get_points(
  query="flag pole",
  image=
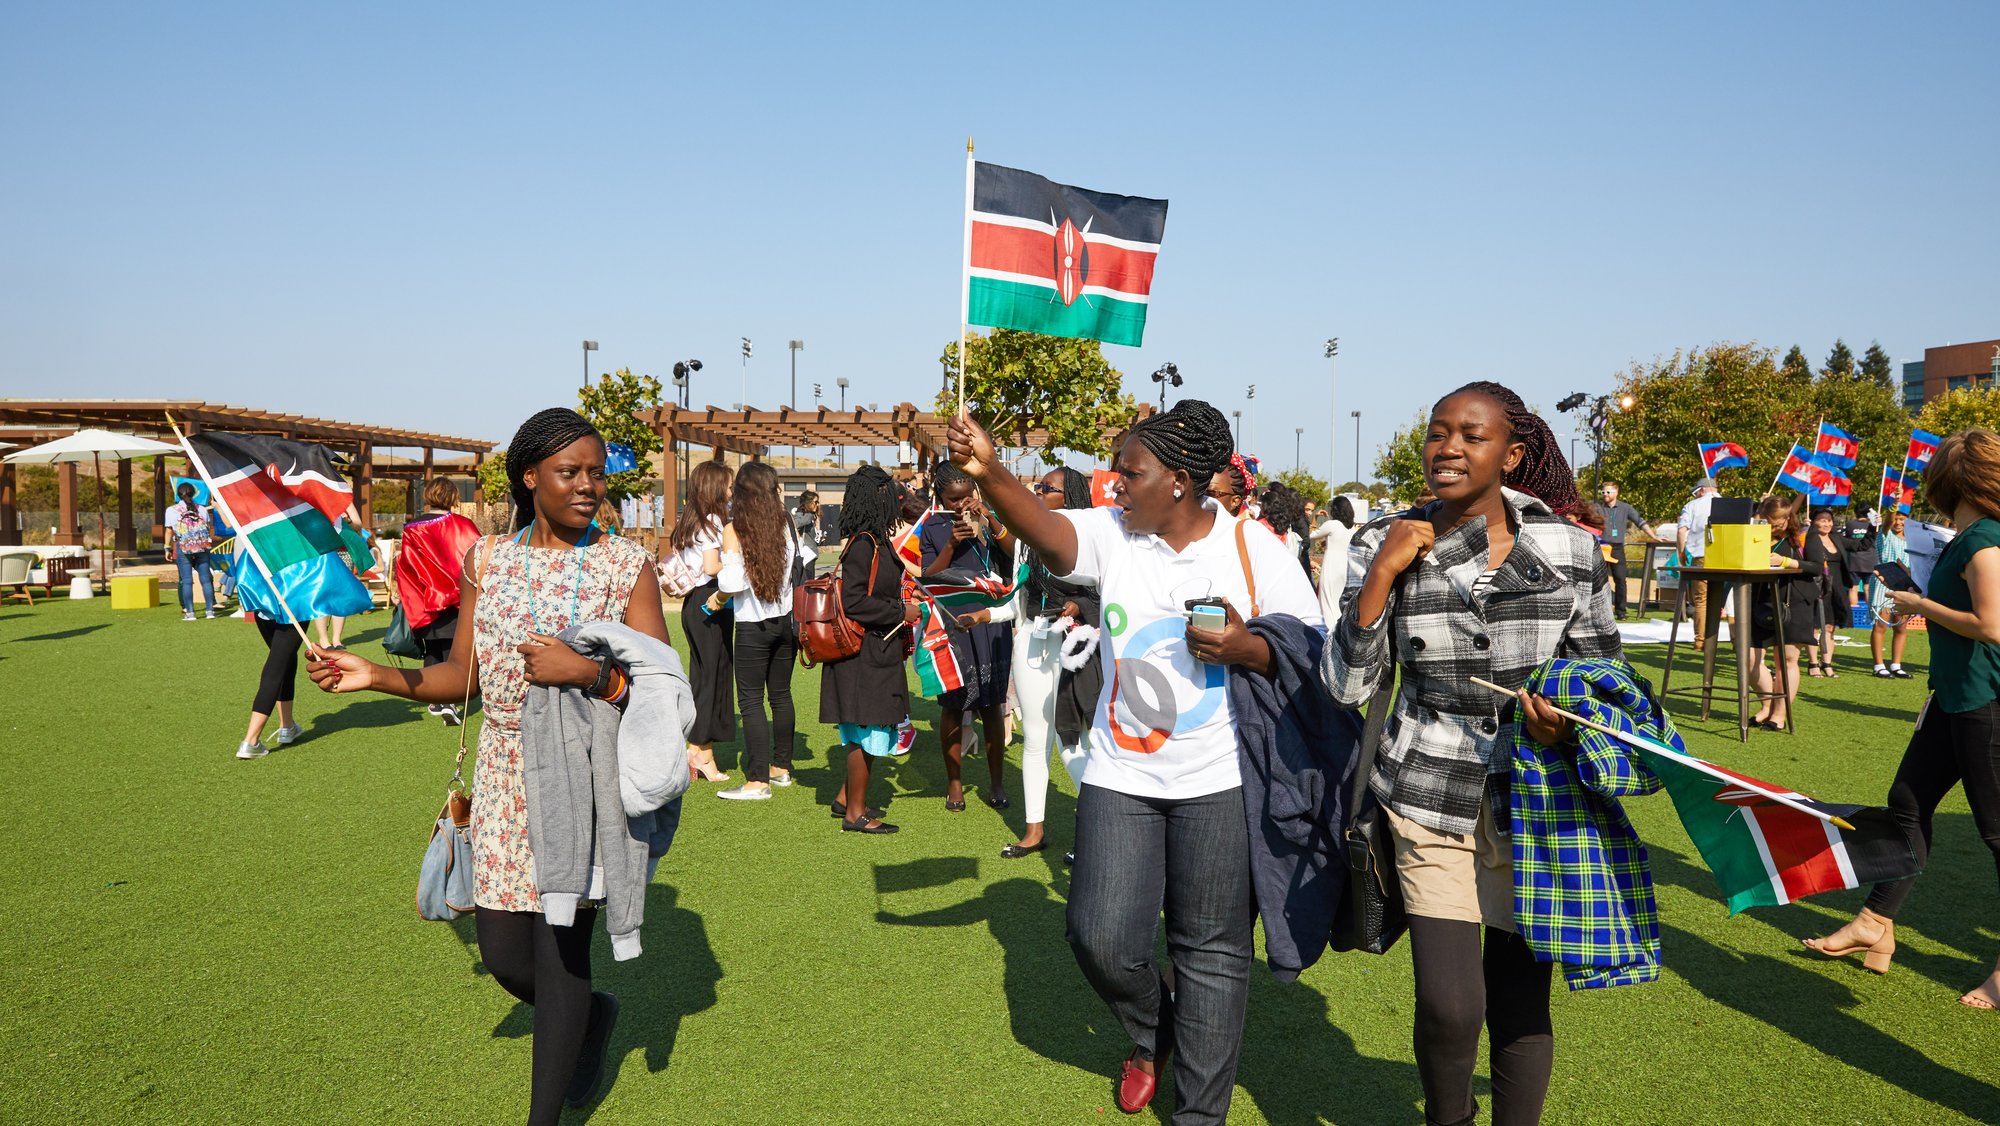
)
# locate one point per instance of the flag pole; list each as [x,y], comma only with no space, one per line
[1645,744]
[1773,490]
[965,283]
[215,494]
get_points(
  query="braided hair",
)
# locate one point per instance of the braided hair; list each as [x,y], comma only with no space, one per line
[1075,487]
[870,504]
[543,434]
[944,475]
[1543,472]
[1193,438]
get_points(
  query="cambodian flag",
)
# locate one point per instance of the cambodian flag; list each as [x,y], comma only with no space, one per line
[1836,447]
[1797,472]
[1898,490]
[1923,444]
[1722,455]
[1830,487]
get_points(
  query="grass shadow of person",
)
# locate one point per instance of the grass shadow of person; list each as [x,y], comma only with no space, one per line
[1816,1011]
[1301,1069]
[382,711]
[64,635]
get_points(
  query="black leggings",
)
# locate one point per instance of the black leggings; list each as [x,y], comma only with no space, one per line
[1458,985]
[549,968]
[764,654]
[281,666]
[1947,748]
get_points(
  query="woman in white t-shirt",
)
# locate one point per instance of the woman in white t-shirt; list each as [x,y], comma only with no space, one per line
[760,557]
[1160,818]
[1337,533]
[697,539]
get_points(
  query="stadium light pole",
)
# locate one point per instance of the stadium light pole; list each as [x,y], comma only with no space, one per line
[840,456]
[1298,439]
[1236,429]
[1332,457]
[589,346]
[1168,374]
[1357,444]
[796,347]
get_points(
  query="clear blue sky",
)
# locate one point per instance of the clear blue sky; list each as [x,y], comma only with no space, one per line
[412,214]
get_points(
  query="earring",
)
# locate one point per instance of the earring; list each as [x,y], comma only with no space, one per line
[1177,494]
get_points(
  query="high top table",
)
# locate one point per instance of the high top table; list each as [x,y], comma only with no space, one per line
[1739,636]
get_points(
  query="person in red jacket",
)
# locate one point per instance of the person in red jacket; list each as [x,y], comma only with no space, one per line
[427,577]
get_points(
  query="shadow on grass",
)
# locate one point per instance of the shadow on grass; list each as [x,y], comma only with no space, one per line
[673,980]
[385,711]
[65,635]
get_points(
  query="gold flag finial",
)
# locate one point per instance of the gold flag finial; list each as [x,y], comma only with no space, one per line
[968,144]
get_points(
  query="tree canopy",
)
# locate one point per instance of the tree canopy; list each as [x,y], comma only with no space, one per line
[1734,392]
[1839,362]
[1399,464]
[1018,381]
[1796,367]
[1876,366]
[1306,484]
[610,405]
[1961,409]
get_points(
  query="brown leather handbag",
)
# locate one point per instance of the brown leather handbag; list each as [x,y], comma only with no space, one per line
[820,619]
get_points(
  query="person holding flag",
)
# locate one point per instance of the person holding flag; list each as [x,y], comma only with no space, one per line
[1957,738]
[1824,558]
[959,537]
[1890,547]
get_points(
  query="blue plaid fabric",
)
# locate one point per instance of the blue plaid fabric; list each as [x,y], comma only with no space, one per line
[1583,888]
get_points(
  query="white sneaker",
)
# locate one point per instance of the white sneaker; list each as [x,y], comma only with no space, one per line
[781,779]
[187,615]
[744,793]
[288,735]
[251,750]
[210,614]
[449,713]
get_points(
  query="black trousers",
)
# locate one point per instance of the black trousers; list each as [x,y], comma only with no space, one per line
[281,665]
[1947,748]
[549,968]
[1617,570]
[765,655]
[711,667]
[1462,983]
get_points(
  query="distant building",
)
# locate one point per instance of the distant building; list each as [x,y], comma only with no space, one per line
[1949,368]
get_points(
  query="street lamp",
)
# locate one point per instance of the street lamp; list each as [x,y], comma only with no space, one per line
[792,400]
[1357,444]
[1251,396]
[1332,468]
[589,346]
[682,383]
[840,455]
[1298,436]
[1236,428]
[1166,374]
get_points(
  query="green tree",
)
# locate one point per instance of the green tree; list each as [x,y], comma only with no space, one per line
[1875,365]
[1399,465]
[1018,381]
[1354,489]
[1796,368]
[1733,392]
[1957,410]
[1306,485]
[611,404]
[1839,362]
[493,477]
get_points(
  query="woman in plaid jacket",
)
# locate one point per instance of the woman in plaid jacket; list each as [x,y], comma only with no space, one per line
[1488,580]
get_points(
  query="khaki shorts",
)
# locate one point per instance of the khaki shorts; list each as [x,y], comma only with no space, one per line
[1467,877]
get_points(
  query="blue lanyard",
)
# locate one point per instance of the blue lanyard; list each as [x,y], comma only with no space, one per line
[528,565]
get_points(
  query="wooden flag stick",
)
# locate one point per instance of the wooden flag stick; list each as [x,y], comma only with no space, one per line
[965,283]
[215,494]
[1647,744]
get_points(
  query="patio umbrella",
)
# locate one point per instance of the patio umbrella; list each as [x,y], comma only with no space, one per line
[92,446]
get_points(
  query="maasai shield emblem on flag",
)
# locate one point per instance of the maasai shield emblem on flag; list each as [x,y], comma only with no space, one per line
[1835,447]
[1923,444]
[283,497]
[1062,261]
[1722,455]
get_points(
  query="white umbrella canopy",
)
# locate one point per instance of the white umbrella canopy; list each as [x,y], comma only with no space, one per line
[92,446]
[86,445]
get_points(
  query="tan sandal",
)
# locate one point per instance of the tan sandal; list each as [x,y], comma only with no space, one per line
[1876,955]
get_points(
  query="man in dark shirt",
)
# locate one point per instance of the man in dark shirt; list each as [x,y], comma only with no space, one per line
[1617,517]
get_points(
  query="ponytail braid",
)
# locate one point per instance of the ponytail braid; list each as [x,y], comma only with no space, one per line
[1543,472]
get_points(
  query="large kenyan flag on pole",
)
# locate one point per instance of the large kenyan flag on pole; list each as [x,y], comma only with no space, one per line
[1062,261]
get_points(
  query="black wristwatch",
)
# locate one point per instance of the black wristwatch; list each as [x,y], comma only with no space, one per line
[603,680]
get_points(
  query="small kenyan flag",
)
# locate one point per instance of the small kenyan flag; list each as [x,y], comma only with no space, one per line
[1062,261]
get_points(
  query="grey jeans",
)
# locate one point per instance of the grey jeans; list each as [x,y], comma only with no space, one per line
[1189,858]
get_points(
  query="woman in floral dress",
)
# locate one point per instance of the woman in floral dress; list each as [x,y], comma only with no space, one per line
[556,570]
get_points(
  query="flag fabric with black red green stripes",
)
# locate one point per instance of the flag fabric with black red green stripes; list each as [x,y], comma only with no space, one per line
[284,498]
[1059,260]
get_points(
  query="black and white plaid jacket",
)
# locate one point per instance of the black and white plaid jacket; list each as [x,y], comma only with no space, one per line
[1551,598]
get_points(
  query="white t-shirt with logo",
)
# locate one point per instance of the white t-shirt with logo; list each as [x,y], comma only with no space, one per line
[1162,726]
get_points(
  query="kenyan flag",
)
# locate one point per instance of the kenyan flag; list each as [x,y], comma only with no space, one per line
[282,496]
[1062,261]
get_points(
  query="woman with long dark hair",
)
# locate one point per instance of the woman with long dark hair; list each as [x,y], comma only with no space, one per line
[706,617]
[1489,580]
[1796,631]
[556,571]
[760,557]
[867,696]
[1056,695]
[1823,557]
[1161,827]
[1957,740]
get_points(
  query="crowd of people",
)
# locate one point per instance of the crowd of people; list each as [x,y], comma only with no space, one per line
[1178,651]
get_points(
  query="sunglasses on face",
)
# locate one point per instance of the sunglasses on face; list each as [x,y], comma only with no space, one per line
[1042,490]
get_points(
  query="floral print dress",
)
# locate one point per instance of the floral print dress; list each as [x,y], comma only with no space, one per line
[543,590]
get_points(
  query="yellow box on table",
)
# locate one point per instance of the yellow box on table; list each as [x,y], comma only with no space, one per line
[1738,547]
[135,592]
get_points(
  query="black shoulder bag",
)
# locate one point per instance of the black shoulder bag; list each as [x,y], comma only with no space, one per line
[1371,916]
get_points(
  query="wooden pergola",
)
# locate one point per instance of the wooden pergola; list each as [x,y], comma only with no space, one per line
[25,422]
[753,433]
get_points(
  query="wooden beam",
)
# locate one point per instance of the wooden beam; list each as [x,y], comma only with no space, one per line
[127,538]
[10,536]
[67,533]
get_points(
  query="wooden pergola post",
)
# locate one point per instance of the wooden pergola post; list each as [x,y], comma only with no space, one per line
[159,501]
[127,536]
[10,536]
[478,488]
[364,498]
[670,472]
[67,533]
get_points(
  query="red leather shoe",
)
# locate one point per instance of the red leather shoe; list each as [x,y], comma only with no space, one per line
[1135,1087]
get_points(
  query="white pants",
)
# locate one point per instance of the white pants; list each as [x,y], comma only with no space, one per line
[1037,671]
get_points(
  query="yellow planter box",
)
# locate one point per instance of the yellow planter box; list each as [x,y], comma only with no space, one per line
[1739,547]
[135,592]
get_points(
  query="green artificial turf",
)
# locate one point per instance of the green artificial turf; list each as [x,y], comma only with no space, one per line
[189,938]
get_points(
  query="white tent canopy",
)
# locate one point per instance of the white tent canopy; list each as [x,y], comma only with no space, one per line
[90,445]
